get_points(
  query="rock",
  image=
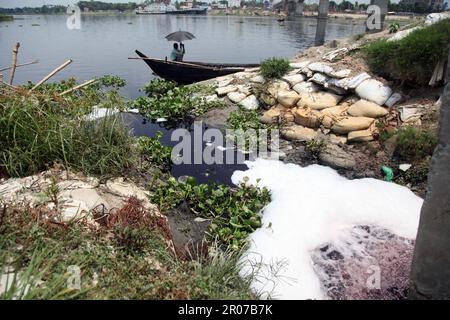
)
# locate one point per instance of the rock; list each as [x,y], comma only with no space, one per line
[298,133]
[405,166]
[318,100]
[374,90]
[258,79]
[347,124]
[236,97]
[250,103]
[267,99]
[277,86]
[287,98]
[364,108]
[224,83]
[299,65]
[306,87]
[307,117]
[294,79]
[390,145]
[433,18]
[320,67]
[222,91]
[360,136]
[393,99]
[334,156]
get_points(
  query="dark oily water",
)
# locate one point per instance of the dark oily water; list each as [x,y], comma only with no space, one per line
[203,173]
[105,41]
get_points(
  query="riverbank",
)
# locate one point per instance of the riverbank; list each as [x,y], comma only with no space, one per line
[6,18]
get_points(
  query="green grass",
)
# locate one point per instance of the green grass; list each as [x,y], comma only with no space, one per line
[412,58]
[39,255]
[274,68]
[40,130]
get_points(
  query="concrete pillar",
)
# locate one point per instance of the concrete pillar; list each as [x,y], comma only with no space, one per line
[299,8]
[322,22]
[430,271]
[376,23]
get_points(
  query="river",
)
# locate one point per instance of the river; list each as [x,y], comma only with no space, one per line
[104,42]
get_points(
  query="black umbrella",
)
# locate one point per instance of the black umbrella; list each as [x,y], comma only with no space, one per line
[180,36]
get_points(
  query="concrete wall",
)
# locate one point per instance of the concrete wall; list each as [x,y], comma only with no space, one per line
[430,272]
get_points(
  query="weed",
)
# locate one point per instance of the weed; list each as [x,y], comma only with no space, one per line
[412,58]
[314,147]
[414,143]
[274,68]
[154,151]
[234,211]
[165,100]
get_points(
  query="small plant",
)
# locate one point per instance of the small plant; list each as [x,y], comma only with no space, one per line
[234,212]
[394,27]
[244,119]
[154,151]
[158,88]
[274,68]
[384,132]
[414,143]
[314,147]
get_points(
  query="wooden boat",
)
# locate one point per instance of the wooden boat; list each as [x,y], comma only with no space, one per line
[188,72]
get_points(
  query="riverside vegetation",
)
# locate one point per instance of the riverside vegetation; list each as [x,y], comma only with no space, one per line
[126,254]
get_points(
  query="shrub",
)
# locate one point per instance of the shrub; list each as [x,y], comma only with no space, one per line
[412,58]
[37,131]
[414,143]
[394,27]
[274,68]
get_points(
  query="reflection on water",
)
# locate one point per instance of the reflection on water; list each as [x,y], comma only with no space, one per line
[203,173]
[105,41]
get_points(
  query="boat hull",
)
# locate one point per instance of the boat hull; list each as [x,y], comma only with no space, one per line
[190,72]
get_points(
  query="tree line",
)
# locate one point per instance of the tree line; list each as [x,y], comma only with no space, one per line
[84,5]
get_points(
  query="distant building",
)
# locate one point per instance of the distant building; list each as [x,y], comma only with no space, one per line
[432,4]
[234,3]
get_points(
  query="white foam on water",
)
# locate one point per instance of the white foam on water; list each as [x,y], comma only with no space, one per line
[312,206]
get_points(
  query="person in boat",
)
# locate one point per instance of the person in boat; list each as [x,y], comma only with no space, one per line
[177,53]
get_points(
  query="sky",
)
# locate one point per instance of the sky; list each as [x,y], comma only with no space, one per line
[39,3]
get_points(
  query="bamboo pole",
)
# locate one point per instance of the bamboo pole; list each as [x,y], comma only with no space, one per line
[79,86]
[51,74]
[13,70]
[20,65]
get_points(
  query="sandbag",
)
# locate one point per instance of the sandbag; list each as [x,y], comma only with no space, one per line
[364,108]
[347,124]
[374,90]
